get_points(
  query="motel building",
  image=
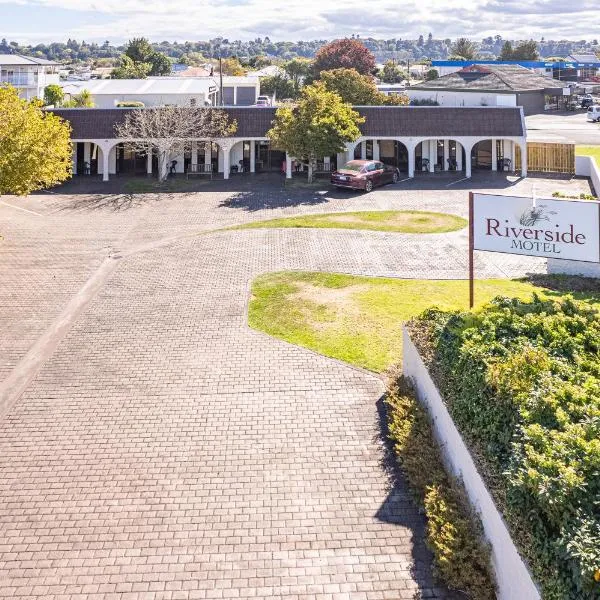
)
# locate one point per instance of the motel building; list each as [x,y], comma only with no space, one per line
[419,140]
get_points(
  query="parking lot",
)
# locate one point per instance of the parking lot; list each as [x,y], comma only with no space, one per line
[561,126]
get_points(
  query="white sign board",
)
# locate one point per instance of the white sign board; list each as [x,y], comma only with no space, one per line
[551,228]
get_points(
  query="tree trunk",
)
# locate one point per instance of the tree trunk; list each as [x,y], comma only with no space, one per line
[310,171]
[163,172]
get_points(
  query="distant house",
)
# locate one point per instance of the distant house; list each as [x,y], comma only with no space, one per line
[494,85]
[28,74]
[160,91]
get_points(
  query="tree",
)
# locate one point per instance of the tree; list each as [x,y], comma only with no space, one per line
[526,51]
[465,48]
[392,73]
[53,95]
[507,51]
[159,64]
[128,69]
[432,74]
[356,89]
[278,86]
[82,100]
[344,54]
[232,66]
[35,145]
[320,124]
[139,50]
[171,129]
[298,69]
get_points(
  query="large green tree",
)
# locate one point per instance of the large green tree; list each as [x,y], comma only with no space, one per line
[523,51]
[344,54]
[357,89]
[278,86]
[465,48]
[141,60]
[53,95]
[392,73]
[320,124]
[128,69]
[297,70]
[35,145]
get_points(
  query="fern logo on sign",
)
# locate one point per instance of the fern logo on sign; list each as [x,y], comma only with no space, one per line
[549,228]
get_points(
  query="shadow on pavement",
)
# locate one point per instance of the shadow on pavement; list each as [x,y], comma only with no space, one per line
[400,509]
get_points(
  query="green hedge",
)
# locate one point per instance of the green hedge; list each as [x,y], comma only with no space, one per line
[522,382]
[454,533]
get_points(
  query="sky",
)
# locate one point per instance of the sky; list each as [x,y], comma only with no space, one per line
[36,21]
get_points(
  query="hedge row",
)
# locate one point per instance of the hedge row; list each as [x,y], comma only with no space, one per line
[522,382]
[454,533]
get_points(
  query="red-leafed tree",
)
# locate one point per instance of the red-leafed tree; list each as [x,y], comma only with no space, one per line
[345,54]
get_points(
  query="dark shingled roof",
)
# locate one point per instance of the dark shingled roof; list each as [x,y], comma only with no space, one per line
[381,121]
[497,78]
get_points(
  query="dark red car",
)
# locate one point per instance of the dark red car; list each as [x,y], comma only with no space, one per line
[364,175]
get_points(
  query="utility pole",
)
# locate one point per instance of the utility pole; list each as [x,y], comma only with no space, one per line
[221,78]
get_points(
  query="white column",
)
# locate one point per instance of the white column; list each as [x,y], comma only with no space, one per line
[375,149]
[149,162]
[87,152]
[105,154]
[459,153]
[226,161]
[432,155]
[512,155]
[468,148]
[252,156]
[194,154]
[411,160]
[446,154]
[523,159]
[208,153]
[74,158]
[494,156]
[288,166]
[363,150]
[235,95]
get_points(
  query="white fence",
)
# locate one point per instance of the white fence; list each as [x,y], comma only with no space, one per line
[514,580]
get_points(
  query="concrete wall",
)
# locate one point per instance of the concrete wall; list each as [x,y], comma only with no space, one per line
[450,98]
[585,166]
[514,580]
[533,103]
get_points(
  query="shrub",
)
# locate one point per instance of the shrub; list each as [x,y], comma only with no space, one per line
[130,104]
[454,532]
[424,102]
[522,382]
[582,196]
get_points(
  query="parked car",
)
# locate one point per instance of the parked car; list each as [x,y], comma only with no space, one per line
[587,101]
[364,175]
[263,101]
[593,113]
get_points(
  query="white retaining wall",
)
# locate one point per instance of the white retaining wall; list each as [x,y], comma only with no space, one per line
[585,166]
[514,580]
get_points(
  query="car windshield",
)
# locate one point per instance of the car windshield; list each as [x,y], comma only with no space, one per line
[353,166]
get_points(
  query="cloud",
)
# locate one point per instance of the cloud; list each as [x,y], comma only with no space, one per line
[117,20]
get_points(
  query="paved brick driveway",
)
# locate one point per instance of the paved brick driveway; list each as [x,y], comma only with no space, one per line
[153,446]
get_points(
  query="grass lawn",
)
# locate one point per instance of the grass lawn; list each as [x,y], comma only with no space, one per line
[359,319]
[402,221]
[589,151]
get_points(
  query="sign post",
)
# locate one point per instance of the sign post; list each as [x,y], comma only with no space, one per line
[544,227]
[471,254]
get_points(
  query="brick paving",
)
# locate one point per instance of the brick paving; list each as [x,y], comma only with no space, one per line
[164,449]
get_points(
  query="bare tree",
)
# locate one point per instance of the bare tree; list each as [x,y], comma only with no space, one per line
[171,130]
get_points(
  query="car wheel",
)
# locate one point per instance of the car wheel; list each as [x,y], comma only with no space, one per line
[395,177]
[368,186]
